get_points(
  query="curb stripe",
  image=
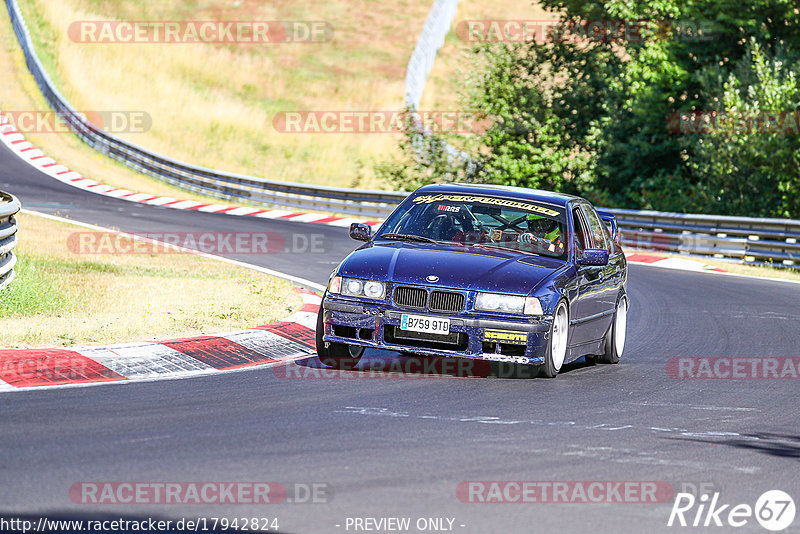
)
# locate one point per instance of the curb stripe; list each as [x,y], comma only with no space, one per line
[50,367]
[313,308]
[268,344]
[274,344]
[681,264]
[17,143]
[645,258]
[144,360]
[217,352]
[328,220]
[293,332]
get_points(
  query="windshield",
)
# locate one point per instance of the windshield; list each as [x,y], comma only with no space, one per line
[481,221]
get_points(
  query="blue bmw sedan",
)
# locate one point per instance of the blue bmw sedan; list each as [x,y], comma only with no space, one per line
[474,271]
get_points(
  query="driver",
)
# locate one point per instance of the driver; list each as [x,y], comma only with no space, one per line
[543,228]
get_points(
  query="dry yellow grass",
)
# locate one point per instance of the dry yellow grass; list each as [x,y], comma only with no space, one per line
[214,104]
[19,92]
[60,298]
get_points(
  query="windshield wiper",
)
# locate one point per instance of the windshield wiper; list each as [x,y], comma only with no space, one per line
[409,237]
[542,254]
[491,245]
[507,249]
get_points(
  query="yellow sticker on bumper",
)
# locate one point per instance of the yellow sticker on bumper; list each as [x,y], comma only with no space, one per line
[505,336]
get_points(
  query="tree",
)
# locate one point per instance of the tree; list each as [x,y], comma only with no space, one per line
[596,116]
[747,159]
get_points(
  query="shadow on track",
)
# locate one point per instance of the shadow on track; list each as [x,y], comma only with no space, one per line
[778,445]
[391,365]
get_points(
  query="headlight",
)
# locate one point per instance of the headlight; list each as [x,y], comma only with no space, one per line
[374,290]
[497,302]
[353,287]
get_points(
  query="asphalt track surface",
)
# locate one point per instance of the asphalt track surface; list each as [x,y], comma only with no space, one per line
[399,447]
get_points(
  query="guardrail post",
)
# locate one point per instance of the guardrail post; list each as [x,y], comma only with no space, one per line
[9,206]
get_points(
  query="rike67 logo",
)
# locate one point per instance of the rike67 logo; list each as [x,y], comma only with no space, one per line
[774,510]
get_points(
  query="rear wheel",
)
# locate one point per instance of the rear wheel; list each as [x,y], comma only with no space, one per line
[336,355]
[557,346]
[615,339]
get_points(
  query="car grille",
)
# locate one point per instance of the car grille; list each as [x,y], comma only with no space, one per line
[438,301]
[411,297]
[446,301]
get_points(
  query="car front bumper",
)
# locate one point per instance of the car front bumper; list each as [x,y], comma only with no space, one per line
[377,325]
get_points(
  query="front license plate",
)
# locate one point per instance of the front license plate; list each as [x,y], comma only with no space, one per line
[429,325]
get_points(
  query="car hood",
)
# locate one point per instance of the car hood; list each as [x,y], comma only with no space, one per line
[471,268]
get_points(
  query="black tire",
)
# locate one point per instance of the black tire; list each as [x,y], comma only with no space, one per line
[336,355]
[552,361]
[615,338]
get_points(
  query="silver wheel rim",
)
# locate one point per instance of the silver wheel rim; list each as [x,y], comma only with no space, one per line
[620,326]
[558,346]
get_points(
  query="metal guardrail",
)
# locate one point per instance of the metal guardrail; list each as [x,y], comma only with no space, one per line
[220,184]
[9,206]
[752,240]
[772,241]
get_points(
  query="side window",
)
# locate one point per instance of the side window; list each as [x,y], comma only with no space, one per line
[597,229]
[581,238]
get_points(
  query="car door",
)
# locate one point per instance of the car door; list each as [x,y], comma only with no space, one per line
[604,278]
[589,280]
[614,273]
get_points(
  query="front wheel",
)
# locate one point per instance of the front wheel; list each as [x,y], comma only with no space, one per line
[557,346]
[336,355]
[615,340]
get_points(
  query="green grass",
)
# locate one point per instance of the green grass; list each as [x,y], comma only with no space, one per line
[35,289]
[60,298]
[38,285]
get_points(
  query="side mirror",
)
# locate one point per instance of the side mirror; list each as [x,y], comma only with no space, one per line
[594,256]
[360,231]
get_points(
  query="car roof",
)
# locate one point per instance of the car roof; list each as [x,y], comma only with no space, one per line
[506,191]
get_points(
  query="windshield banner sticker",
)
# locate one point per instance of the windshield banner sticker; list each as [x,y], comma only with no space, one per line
[513,204]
